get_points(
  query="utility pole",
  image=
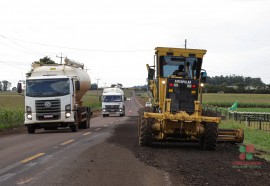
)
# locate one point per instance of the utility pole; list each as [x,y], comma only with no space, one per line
[185,43]
[97,85]
[61,58]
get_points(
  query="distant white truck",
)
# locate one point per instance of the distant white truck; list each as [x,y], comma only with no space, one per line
[113,101]
[53,97]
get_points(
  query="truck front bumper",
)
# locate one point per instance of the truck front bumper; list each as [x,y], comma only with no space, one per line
[47,119]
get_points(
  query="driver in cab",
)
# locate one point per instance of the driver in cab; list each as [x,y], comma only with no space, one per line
[180,72]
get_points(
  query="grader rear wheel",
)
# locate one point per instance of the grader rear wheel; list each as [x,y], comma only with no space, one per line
[209,140]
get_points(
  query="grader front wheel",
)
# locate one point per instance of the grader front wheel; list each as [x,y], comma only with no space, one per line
[145,134]
[209,140]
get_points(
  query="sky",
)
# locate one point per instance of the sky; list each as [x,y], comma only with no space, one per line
[116,39]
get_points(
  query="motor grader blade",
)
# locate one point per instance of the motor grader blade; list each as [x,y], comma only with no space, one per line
[231,135]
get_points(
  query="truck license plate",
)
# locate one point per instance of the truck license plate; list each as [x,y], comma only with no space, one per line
[48,116]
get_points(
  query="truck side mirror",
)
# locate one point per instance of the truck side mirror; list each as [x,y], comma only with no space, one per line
[19,88]
[203,76]
[77,85]
[151,73]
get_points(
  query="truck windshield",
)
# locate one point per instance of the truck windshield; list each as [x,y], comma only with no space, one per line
[47,87]
[170,65]
[112,98]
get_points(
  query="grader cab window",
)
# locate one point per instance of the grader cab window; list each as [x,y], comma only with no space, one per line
[171,64]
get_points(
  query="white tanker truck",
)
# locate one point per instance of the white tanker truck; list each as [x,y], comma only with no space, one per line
[113,101]
[53,97]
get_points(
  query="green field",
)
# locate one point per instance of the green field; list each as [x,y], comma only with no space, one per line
[11,110]
[243,100]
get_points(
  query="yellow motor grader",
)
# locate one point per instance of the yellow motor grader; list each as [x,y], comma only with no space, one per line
[175,84]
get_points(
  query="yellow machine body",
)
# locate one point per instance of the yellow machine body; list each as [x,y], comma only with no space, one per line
[176,94]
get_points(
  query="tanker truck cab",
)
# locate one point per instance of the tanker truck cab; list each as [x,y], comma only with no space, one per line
[52,100]
[49,98]
[113,102]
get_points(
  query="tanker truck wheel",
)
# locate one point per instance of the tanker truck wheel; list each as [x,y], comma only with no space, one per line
[31,129]
[74,128]
[209,140]
[145,138]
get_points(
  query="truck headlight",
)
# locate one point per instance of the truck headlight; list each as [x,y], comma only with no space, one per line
[104,110]
[68,115]
[120,110]
[29,112]
[68,111]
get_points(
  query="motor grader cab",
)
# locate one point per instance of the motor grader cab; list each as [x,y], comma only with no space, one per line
[175,87]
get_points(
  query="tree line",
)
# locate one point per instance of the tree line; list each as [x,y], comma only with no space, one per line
[5,85]
[236,84]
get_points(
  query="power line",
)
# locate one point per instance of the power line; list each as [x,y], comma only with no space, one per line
[8,63]
[23,49]
[72,48]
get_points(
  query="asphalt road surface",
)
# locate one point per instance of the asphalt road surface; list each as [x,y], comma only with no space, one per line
[108,154]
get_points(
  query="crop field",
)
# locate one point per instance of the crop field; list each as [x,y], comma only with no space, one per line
[11,110]
[243,100]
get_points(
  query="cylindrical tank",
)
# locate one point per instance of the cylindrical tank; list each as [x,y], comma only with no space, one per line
[65,70]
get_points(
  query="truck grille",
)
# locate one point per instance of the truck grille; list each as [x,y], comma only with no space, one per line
[112,106]
[48,109]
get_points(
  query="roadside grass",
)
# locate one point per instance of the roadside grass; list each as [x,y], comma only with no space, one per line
[92,99]
[260,139]
[11,117]
[11,110]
